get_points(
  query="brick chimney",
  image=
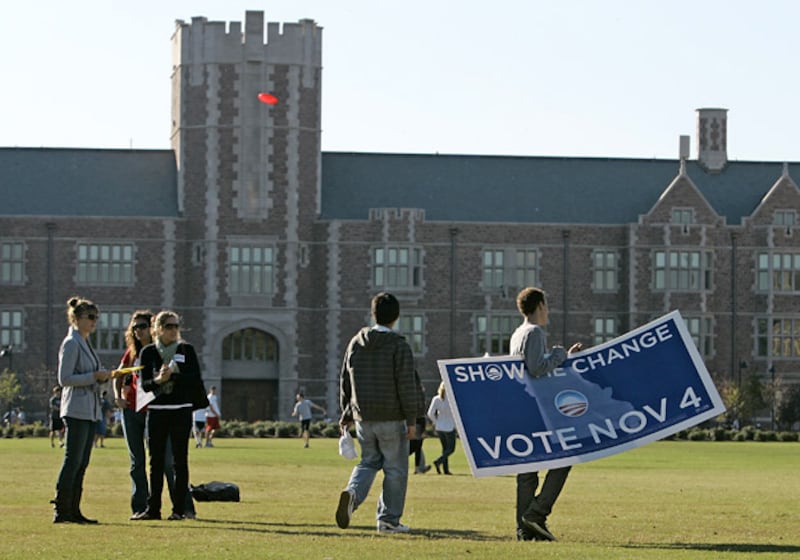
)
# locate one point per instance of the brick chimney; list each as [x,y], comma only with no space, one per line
[712,138]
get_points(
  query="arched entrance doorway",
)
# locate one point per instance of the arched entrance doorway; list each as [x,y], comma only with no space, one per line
[250,373]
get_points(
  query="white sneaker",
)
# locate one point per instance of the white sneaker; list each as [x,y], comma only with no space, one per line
[388,528]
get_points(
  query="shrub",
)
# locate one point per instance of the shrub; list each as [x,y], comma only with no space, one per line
[721,434]
[788,436]
[287,429]
[699,435]
[264,429]
[763,435]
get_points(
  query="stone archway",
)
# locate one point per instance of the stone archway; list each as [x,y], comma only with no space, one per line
[250,373]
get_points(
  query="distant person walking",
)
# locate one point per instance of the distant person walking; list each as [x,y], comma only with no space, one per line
[442,417]
[302,409]
[56,424]
[213,416]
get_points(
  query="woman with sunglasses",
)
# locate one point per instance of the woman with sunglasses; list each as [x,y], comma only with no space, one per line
[137,336]
[134,422]
[81,374]
[171,372]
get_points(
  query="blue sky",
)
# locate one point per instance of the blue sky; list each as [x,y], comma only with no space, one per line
[607,78]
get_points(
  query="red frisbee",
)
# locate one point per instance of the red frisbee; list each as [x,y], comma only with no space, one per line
[267,98]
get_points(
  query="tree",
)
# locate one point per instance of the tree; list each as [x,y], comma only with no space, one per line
[10,390]
[788,409]
[753,399]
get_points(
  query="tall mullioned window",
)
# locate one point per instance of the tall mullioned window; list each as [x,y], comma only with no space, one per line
[251,269]
[397,268]
[493,268]
[11,327]
[105,264]
[526,268]
[493,333]
[109,333]
[604,329]
[778,337]
[605,271]
[412,326]
[12,263]
[686,271]
[701,329]
[779,272]
[510,269]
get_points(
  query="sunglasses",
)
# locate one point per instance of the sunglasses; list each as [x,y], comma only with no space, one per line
[171,326]
[140,326]
[90,316]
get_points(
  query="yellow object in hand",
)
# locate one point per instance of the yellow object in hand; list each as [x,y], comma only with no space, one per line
[125,371]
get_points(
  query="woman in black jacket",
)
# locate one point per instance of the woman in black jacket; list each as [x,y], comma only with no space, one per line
[171,372]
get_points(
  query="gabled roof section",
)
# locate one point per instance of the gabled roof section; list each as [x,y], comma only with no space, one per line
[682,192]
[87,182]
[784,194]
[529,189]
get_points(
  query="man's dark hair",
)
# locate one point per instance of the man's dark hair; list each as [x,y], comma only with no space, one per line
[385,308]
[529,299]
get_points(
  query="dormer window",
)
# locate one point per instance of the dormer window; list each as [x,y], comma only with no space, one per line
[683,217]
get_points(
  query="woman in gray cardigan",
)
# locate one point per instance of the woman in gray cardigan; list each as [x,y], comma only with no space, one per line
[80,374]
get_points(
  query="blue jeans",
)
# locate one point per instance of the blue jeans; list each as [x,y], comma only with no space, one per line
[134,426]
[77,451]
[383,447]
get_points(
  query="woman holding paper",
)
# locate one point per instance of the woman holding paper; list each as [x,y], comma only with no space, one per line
[81,375]
[171,371]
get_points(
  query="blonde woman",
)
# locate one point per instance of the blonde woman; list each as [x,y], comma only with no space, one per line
[171,371]
[81,374]
[442,418]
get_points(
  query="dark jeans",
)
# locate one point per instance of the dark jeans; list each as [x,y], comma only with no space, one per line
[165,427]
[77,451]
[415,447]
[541,505]
[448,440]
[134,426]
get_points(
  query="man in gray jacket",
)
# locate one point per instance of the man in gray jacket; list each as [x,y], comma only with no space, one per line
[377,391]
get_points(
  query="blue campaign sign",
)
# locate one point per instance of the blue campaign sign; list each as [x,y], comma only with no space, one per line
[638,388]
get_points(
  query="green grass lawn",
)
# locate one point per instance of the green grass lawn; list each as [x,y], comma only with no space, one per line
[666,500]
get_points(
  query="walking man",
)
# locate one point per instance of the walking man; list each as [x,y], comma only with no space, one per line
[377,391]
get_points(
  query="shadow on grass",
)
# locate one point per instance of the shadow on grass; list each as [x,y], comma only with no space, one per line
[330,530]
[721,547]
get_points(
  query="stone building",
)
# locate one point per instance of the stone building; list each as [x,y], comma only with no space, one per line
[271,249]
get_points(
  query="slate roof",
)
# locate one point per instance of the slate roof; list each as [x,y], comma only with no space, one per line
[530,189]
[457,188]
[87,182]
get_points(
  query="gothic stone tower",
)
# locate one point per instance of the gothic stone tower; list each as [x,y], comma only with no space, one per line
[248,191]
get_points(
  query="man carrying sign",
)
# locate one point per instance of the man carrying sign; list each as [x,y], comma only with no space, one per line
[529,341]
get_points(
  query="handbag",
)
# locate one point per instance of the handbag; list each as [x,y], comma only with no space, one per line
[216,491]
